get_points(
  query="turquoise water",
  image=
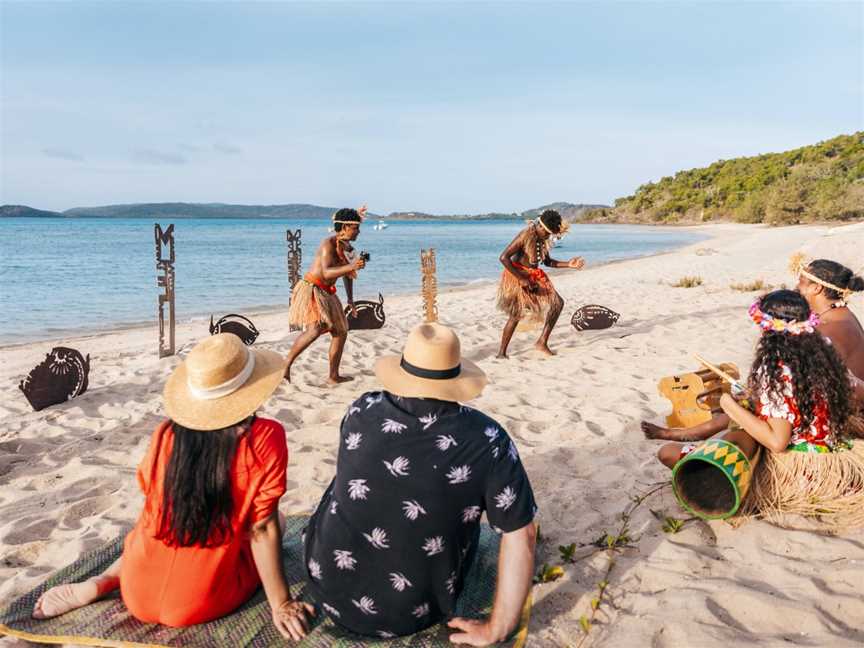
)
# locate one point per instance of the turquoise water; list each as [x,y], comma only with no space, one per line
[63,274]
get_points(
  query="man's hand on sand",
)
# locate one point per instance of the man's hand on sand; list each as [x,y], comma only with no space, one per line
[473,632]
[577,263]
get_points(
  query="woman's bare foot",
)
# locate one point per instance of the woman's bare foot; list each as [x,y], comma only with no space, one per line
[542,347]
[337,380]
[661,433]
[287,375]
[64,598]
[652,431]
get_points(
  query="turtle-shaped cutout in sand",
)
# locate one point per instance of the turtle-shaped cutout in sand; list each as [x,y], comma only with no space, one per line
[60,376]
[239,325]
[593,318]
[370,315]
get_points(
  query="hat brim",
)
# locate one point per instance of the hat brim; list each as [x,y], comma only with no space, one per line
[197,414]
[467,386]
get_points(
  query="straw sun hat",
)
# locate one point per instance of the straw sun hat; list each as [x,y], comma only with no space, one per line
[221,382]
[431,366]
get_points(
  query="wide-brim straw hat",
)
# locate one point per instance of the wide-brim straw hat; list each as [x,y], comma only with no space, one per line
[221,382]
[431,366]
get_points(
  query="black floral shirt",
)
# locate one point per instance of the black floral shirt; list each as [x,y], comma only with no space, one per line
[397,529]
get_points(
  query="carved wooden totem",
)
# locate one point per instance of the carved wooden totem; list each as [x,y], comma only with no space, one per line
[295,258]
[430,285]
[165,280]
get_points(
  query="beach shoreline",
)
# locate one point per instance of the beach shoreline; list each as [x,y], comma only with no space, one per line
[68,472]
[255,311]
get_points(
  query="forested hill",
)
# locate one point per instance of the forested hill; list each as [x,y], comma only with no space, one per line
[821,182]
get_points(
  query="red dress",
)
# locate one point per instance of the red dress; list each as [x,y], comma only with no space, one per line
[180,586]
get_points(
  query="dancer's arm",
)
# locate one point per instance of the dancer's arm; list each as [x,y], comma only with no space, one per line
[506,260]
[577,263]
[774,433]
[349,293]
[329,270]
[289,616]
[515,572]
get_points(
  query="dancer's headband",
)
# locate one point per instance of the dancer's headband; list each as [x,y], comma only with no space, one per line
[798,265]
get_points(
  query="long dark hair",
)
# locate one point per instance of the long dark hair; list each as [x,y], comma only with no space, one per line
[197,500]
[817,371]
[836,274]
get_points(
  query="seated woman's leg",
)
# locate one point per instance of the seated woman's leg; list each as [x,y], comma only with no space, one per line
[64,598]
[701,432]
[670,453]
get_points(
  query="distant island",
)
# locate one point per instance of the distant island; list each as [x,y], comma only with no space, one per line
[817,183]
[219,210]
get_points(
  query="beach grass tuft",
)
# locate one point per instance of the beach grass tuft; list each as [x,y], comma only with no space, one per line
[688,282]
[753,286]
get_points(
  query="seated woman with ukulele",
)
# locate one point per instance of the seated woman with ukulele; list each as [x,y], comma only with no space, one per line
[800,390]
[826,285]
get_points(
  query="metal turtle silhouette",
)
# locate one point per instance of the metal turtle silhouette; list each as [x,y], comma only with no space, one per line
[62,375]
[370,315]
[239,325]
[593,318]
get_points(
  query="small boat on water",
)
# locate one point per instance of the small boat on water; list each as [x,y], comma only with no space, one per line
[380,225]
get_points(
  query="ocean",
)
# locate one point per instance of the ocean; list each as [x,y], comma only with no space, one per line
[71,275]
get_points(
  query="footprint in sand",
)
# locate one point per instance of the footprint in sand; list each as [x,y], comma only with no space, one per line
[594,428]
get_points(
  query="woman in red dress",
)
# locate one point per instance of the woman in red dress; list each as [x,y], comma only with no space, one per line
[209,534]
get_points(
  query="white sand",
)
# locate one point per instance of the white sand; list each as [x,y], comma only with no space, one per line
[67,473]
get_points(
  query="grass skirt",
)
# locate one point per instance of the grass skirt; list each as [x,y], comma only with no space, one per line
[311,306]
[826,486]
[514,300]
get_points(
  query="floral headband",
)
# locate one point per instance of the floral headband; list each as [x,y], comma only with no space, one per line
[768,323]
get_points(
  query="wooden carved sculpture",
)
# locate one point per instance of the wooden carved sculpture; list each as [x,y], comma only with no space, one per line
[165,265]
[60,376]
[695,396]
[295,263]
[593,318]
[430,285]
[370,315]
[239,325]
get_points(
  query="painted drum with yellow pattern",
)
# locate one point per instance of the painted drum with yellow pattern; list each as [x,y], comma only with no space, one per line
[712,481]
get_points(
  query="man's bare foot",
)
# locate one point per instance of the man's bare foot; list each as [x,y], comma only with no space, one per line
[64,598]
[501,356]
[542,347]
[337,380]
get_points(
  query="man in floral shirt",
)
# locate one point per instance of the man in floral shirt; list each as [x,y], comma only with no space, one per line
[397,530]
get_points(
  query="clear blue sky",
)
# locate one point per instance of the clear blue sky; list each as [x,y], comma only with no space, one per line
[439,107]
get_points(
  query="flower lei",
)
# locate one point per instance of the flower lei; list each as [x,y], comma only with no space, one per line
[768,323]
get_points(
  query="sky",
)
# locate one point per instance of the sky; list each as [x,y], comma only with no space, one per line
[437,107]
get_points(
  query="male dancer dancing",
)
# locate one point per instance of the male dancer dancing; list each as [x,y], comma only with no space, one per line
[524,286]
[314,304]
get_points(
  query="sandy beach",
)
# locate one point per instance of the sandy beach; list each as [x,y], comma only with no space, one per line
[68,473]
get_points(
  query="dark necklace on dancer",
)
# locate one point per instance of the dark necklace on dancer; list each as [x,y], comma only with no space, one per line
[837,304]
[538,247]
